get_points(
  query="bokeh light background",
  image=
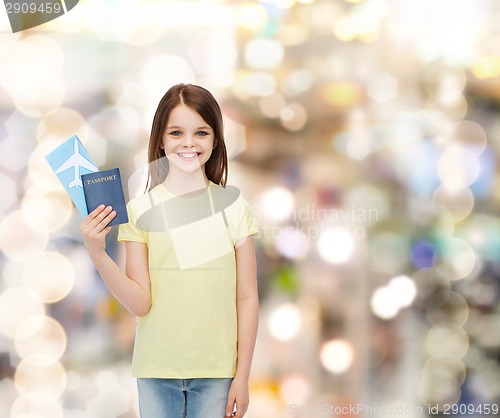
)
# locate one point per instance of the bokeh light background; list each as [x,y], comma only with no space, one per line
[366,135]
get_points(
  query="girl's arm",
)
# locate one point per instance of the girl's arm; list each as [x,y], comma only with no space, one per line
[132,288]
[247,304]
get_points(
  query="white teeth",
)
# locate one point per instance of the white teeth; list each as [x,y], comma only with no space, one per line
[188,155]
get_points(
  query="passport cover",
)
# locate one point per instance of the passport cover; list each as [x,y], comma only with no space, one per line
[69,161]
[105,187]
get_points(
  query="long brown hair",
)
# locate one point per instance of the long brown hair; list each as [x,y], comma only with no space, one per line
[202,102]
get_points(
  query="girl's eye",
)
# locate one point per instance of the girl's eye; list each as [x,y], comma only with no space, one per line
[202,133]
[175,133]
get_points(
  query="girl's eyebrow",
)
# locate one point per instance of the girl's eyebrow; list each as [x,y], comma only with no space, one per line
[180,127]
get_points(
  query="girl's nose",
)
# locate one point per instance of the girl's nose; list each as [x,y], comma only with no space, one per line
[188,141]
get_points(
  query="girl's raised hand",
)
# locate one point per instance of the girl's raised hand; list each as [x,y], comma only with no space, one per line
[94,228]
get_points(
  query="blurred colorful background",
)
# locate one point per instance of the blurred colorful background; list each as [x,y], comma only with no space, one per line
[365,134]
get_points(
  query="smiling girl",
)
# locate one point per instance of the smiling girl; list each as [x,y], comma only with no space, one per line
[190,271]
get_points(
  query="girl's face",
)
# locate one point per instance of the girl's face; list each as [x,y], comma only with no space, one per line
[188,140]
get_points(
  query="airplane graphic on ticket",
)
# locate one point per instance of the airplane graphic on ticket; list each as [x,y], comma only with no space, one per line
[69,161]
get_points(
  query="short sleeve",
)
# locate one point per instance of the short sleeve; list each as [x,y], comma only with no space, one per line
[130,231]
[242,220]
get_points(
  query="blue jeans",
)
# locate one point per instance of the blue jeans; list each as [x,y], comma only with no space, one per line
[183,398]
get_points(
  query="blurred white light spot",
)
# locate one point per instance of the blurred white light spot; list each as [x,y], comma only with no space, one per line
[404,289]
[382,87]
[284,322]
[459,202]
[262,54]
[458,167]
[251,16]
[277,204]
[284,4]
[18,240]
[214,56]
[50,276]
[134,23]
[39,101]
[295,389]
[336,245]
[336,356]
[359,138]
[9,196]
[60,124]
[384,303]
[260,84]
[294,34]
[28,405]
[460,256]
[299,81]
[17,71]
[441,379]
[121,124]
[42,377]
[41,335]
[112,399]
[292,243]
[12,150]
[46,211]
[31,52]
[16,305]
[447,341]
[39,170]
[443,82]
[74,380]
[163,71]
[363,26]
[293,117]
[470,135]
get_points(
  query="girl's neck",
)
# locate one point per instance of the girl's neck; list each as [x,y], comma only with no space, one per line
[179,182]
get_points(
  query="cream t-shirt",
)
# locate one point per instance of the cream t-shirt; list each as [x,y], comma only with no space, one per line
[191,329]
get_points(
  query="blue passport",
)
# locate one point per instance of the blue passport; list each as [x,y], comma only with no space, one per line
[105,187]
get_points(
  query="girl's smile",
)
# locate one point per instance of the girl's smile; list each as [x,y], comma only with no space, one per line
[188,155]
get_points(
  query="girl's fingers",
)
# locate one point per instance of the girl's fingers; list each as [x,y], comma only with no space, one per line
[97,211]
[105,231]
[92,215]
[106,219]
[101,216]
[98,219]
